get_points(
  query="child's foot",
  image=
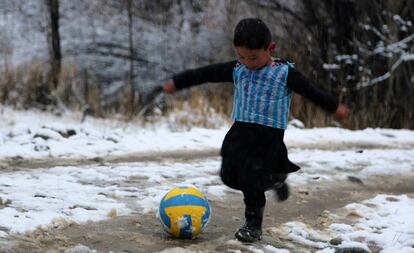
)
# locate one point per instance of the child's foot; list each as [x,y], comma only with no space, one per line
[282,191]
[248,234]
[252,228]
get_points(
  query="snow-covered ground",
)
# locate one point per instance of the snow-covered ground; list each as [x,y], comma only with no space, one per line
[40,197]
[33,134]
[385,222]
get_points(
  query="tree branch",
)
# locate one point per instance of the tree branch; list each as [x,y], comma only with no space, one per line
[274,5]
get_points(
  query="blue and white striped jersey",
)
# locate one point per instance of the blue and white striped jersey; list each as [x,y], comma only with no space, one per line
[262,96]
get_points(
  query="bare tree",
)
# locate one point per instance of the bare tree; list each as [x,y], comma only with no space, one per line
[53,37]
[360,50]
[131,53]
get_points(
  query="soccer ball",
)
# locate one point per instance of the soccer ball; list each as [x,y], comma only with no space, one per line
[184,212]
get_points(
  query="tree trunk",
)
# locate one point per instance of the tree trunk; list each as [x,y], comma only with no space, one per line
[131,61]
[55,56]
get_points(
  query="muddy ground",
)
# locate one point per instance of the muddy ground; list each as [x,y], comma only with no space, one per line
[310,204]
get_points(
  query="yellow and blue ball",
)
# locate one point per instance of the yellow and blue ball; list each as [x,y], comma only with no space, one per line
[184,212]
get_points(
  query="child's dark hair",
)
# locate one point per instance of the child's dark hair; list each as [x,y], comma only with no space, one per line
[252,33]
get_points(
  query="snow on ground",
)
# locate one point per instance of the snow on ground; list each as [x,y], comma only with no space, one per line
[384,223]
[31,198]
[381,224]
[91,192]
[331,165]
[33,134]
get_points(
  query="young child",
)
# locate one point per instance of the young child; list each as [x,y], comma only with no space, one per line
[254,156]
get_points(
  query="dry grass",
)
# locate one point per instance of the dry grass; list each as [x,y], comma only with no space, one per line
[212,105]
[208,106]
[27,86]
[24,86]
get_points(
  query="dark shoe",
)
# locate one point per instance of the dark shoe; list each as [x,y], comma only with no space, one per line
[248,234]
[252,229]
[282,191]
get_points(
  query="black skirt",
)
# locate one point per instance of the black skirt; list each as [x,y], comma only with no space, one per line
[254,157]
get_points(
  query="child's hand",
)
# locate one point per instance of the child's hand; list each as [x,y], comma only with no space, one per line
[169,86]
[342,112]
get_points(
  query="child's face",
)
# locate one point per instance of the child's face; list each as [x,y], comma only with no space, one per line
[255,58]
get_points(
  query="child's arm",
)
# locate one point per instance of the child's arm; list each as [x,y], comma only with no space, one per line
[299,84]
[222,72]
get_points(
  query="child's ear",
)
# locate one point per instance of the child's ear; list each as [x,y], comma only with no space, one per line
[272,47]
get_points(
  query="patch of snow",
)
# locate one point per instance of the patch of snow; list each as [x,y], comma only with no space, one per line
[352,244]
[270,248]
[326,250]
[384,222]
[387,221]
[80,249]
[176,250]
[341,228]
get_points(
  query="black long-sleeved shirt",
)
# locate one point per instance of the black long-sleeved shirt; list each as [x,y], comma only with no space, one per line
[223,72]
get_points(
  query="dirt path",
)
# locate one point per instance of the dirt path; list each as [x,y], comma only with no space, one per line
[19,163]
[143,233]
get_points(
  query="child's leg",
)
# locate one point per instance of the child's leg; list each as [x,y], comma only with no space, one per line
[253,197]
[281,188]
[254,201]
